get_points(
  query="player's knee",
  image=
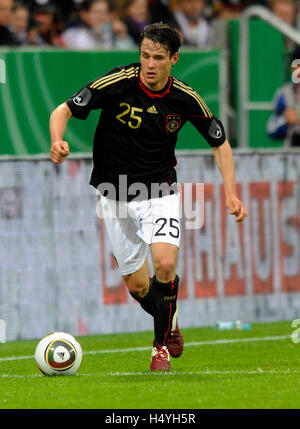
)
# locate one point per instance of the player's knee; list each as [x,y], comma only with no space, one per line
[165,269]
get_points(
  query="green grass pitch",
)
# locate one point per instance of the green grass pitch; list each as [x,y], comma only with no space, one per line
[259,368]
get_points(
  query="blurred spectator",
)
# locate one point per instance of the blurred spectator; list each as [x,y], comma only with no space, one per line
[20,23]
[188,18]
[65,8]
[160,10]
[6,36]
[222,12]
[122,39]
[284,123]
[48,24]
[33,34]
[285,10]
[94,29]
[298,15]
[135,14]
[228,9]
[231,9]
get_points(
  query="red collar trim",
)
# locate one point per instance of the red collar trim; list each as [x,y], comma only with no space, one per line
[153,94]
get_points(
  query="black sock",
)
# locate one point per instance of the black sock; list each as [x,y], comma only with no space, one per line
[146,301]
[164,301]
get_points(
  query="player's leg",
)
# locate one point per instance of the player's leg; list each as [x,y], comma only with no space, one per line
[164,256]
[160,227]
[129,249]
[129,238]
[139,285]
[158,297]
[165,290]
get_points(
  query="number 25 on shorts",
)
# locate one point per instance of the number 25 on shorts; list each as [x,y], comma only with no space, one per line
[174,227]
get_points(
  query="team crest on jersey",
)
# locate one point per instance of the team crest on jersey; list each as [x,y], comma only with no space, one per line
[173,123]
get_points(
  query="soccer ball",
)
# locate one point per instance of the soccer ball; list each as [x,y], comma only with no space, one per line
[58,354]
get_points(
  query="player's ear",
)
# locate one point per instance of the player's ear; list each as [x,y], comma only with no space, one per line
[175,58]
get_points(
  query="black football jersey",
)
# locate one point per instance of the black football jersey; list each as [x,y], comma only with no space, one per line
[137,130]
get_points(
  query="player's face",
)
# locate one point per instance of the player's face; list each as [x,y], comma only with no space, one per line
[156,64]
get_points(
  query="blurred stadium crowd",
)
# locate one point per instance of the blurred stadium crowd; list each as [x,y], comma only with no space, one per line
[106,24]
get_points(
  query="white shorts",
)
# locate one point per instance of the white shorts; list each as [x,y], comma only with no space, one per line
[132,226]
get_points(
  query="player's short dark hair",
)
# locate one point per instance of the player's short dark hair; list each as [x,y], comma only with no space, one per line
[163,34]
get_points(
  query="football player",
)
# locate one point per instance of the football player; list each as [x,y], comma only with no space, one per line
[143,108]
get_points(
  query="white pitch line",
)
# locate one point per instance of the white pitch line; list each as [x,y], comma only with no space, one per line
[259,371]
[193,344]
[206,372]
[141,349]
[8,358]
[21,375]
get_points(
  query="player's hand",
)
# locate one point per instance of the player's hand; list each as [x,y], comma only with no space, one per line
[291,116]
[236,208]
[59,151]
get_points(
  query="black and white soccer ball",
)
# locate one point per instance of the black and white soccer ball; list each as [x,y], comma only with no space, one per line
[58,354]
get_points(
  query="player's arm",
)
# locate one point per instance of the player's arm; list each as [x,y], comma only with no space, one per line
[78,106]
[58,123]
[224,159]
[213,131]
[95,95]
